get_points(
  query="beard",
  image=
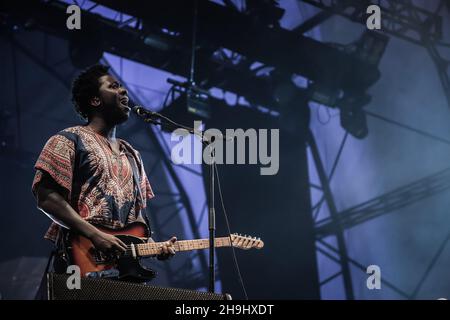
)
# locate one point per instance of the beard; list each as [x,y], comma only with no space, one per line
[115,113]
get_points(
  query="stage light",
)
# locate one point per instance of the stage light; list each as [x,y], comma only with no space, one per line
[353,118]
[370,47]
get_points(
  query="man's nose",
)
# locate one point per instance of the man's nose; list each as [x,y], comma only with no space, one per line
[123,91]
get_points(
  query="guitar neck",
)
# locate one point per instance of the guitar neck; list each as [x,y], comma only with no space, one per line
[154,248]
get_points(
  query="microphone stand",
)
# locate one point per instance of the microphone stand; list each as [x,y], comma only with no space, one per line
[151,117]
[211,221]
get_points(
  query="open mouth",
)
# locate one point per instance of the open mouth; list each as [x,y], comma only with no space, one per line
[124,102]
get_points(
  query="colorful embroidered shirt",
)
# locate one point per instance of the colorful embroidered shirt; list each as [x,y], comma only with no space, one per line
[99,183]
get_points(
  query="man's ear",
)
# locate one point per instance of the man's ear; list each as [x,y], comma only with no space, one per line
[95,101]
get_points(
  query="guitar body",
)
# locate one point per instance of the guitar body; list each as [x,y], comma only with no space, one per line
[93,263]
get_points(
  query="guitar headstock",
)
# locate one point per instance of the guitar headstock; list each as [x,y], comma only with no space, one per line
[246,242]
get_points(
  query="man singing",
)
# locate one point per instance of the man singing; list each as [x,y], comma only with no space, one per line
[85,176]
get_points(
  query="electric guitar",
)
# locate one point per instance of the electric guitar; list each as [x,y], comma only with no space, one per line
[127,266]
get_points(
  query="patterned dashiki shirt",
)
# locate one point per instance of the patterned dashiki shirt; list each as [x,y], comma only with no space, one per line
[99,183]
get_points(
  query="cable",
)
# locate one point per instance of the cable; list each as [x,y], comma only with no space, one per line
[167,96]
[241,281]
[176,125]
[194,40]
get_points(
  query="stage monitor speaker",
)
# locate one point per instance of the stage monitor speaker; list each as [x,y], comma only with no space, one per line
[105,289]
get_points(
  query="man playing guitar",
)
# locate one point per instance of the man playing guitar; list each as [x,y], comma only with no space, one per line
[85,176]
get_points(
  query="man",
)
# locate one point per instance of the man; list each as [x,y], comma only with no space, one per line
[85,175]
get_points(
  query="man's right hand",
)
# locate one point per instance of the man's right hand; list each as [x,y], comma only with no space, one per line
[107,243]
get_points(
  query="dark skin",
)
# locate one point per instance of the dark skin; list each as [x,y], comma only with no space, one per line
[109,109]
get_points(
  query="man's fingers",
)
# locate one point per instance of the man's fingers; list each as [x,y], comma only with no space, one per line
[123,244]
[173,240]
[120,245]
[167,249]
[171,243]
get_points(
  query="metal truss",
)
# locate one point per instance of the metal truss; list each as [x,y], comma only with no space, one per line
[337,222]
[402,19]
[338,229]
[386,203]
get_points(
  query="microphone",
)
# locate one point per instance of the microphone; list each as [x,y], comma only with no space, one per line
[144,113]
[151,115]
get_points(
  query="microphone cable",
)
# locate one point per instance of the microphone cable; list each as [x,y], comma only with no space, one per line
[241,281]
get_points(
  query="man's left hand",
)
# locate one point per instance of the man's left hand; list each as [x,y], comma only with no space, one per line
[167,250]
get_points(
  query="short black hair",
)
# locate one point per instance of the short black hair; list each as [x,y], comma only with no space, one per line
[85,86]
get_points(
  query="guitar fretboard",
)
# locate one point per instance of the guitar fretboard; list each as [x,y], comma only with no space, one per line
[154,248]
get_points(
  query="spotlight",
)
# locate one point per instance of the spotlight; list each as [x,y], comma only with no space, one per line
[371,46]
[353,118]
